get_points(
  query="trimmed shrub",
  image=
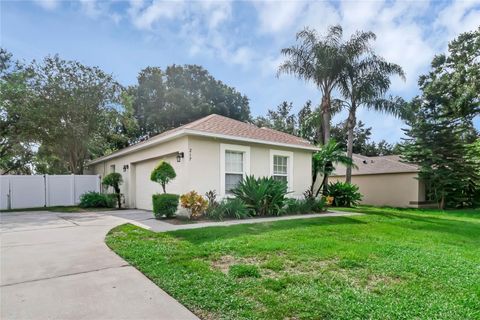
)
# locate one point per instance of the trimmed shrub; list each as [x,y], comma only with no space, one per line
[244,271]
[229,208]
[195,203]
[97,200]
[164,204]
[114,180]
[163,174]
[265,196]
[344,194]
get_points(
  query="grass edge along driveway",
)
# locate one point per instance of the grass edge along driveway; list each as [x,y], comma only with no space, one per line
[388,264]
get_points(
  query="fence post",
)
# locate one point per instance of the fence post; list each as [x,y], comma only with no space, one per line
[45,191]
[72,189]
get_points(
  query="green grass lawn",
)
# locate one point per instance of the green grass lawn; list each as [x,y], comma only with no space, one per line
[387,264]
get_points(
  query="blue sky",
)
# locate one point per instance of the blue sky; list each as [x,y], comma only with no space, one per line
[238,42]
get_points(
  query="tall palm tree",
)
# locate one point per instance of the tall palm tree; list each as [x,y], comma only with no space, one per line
[363,83]
[317,59]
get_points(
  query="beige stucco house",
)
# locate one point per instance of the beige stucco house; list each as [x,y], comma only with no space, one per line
[385,181]
[212,153]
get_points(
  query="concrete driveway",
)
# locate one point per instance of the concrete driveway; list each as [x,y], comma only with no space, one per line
[57,266]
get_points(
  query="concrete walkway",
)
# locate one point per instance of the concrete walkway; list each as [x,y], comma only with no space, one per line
[57,266]
[144,219]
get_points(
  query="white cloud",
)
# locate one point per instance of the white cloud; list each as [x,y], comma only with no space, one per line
[277,16]
[144,16]
[48,4]
[458,17]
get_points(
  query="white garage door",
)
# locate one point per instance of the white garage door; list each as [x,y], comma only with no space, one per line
[144,187]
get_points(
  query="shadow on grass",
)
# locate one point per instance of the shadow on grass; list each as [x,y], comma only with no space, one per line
[229,232]
[442,224]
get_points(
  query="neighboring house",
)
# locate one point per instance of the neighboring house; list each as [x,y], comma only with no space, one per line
[385,181]
[212,153]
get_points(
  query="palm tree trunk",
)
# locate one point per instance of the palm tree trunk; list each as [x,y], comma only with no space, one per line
[351,122]
[326,118]
[326,133]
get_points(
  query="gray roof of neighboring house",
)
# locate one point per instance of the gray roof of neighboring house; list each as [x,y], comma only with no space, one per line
[377,165]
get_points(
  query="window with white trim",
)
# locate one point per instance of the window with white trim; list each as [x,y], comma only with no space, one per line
[280,168]
[234,166]
[234,162]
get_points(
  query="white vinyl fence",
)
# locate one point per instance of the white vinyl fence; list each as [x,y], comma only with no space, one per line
[17,192]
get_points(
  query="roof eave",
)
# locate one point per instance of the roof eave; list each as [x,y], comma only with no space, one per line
[184,132]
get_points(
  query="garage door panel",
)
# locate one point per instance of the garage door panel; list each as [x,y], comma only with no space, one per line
[145,188]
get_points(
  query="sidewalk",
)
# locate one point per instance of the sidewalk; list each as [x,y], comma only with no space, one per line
[145,220]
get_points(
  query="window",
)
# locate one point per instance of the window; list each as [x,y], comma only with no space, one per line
[112,168]
[233,169]
[234,166]
[281,166]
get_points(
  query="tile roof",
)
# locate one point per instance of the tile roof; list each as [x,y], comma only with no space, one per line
[217,124]
[214,125]
[377,165]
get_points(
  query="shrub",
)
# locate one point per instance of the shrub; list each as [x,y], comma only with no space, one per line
[244,271]
[319,204]
[231,208]
[97,200]
[265,196]
[195,203]
[163,174]
[344,194]
[295,206]
[211,198]
[114,180]
[164,205]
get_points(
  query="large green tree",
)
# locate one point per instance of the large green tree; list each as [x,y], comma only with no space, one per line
[364,82]
[71,109]
[440,120]
[167,99]
[280,119]
[16,143]
[362,143]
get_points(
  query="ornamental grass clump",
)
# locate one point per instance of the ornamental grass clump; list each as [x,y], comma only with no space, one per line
[344,194]
[264,196]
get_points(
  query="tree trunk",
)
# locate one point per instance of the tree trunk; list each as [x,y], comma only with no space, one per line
[351,122]
[326,132]
[119,197]
[326,118]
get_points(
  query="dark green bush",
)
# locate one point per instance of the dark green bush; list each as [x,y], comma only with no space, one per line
[164,204]
[344,194]
[265,196]
[229,208]
[302,206]
[163,173]
[244,271]
[97,200]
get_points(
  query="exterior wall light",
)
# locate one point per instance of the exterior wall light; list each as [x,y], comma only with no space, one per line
[180,156]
